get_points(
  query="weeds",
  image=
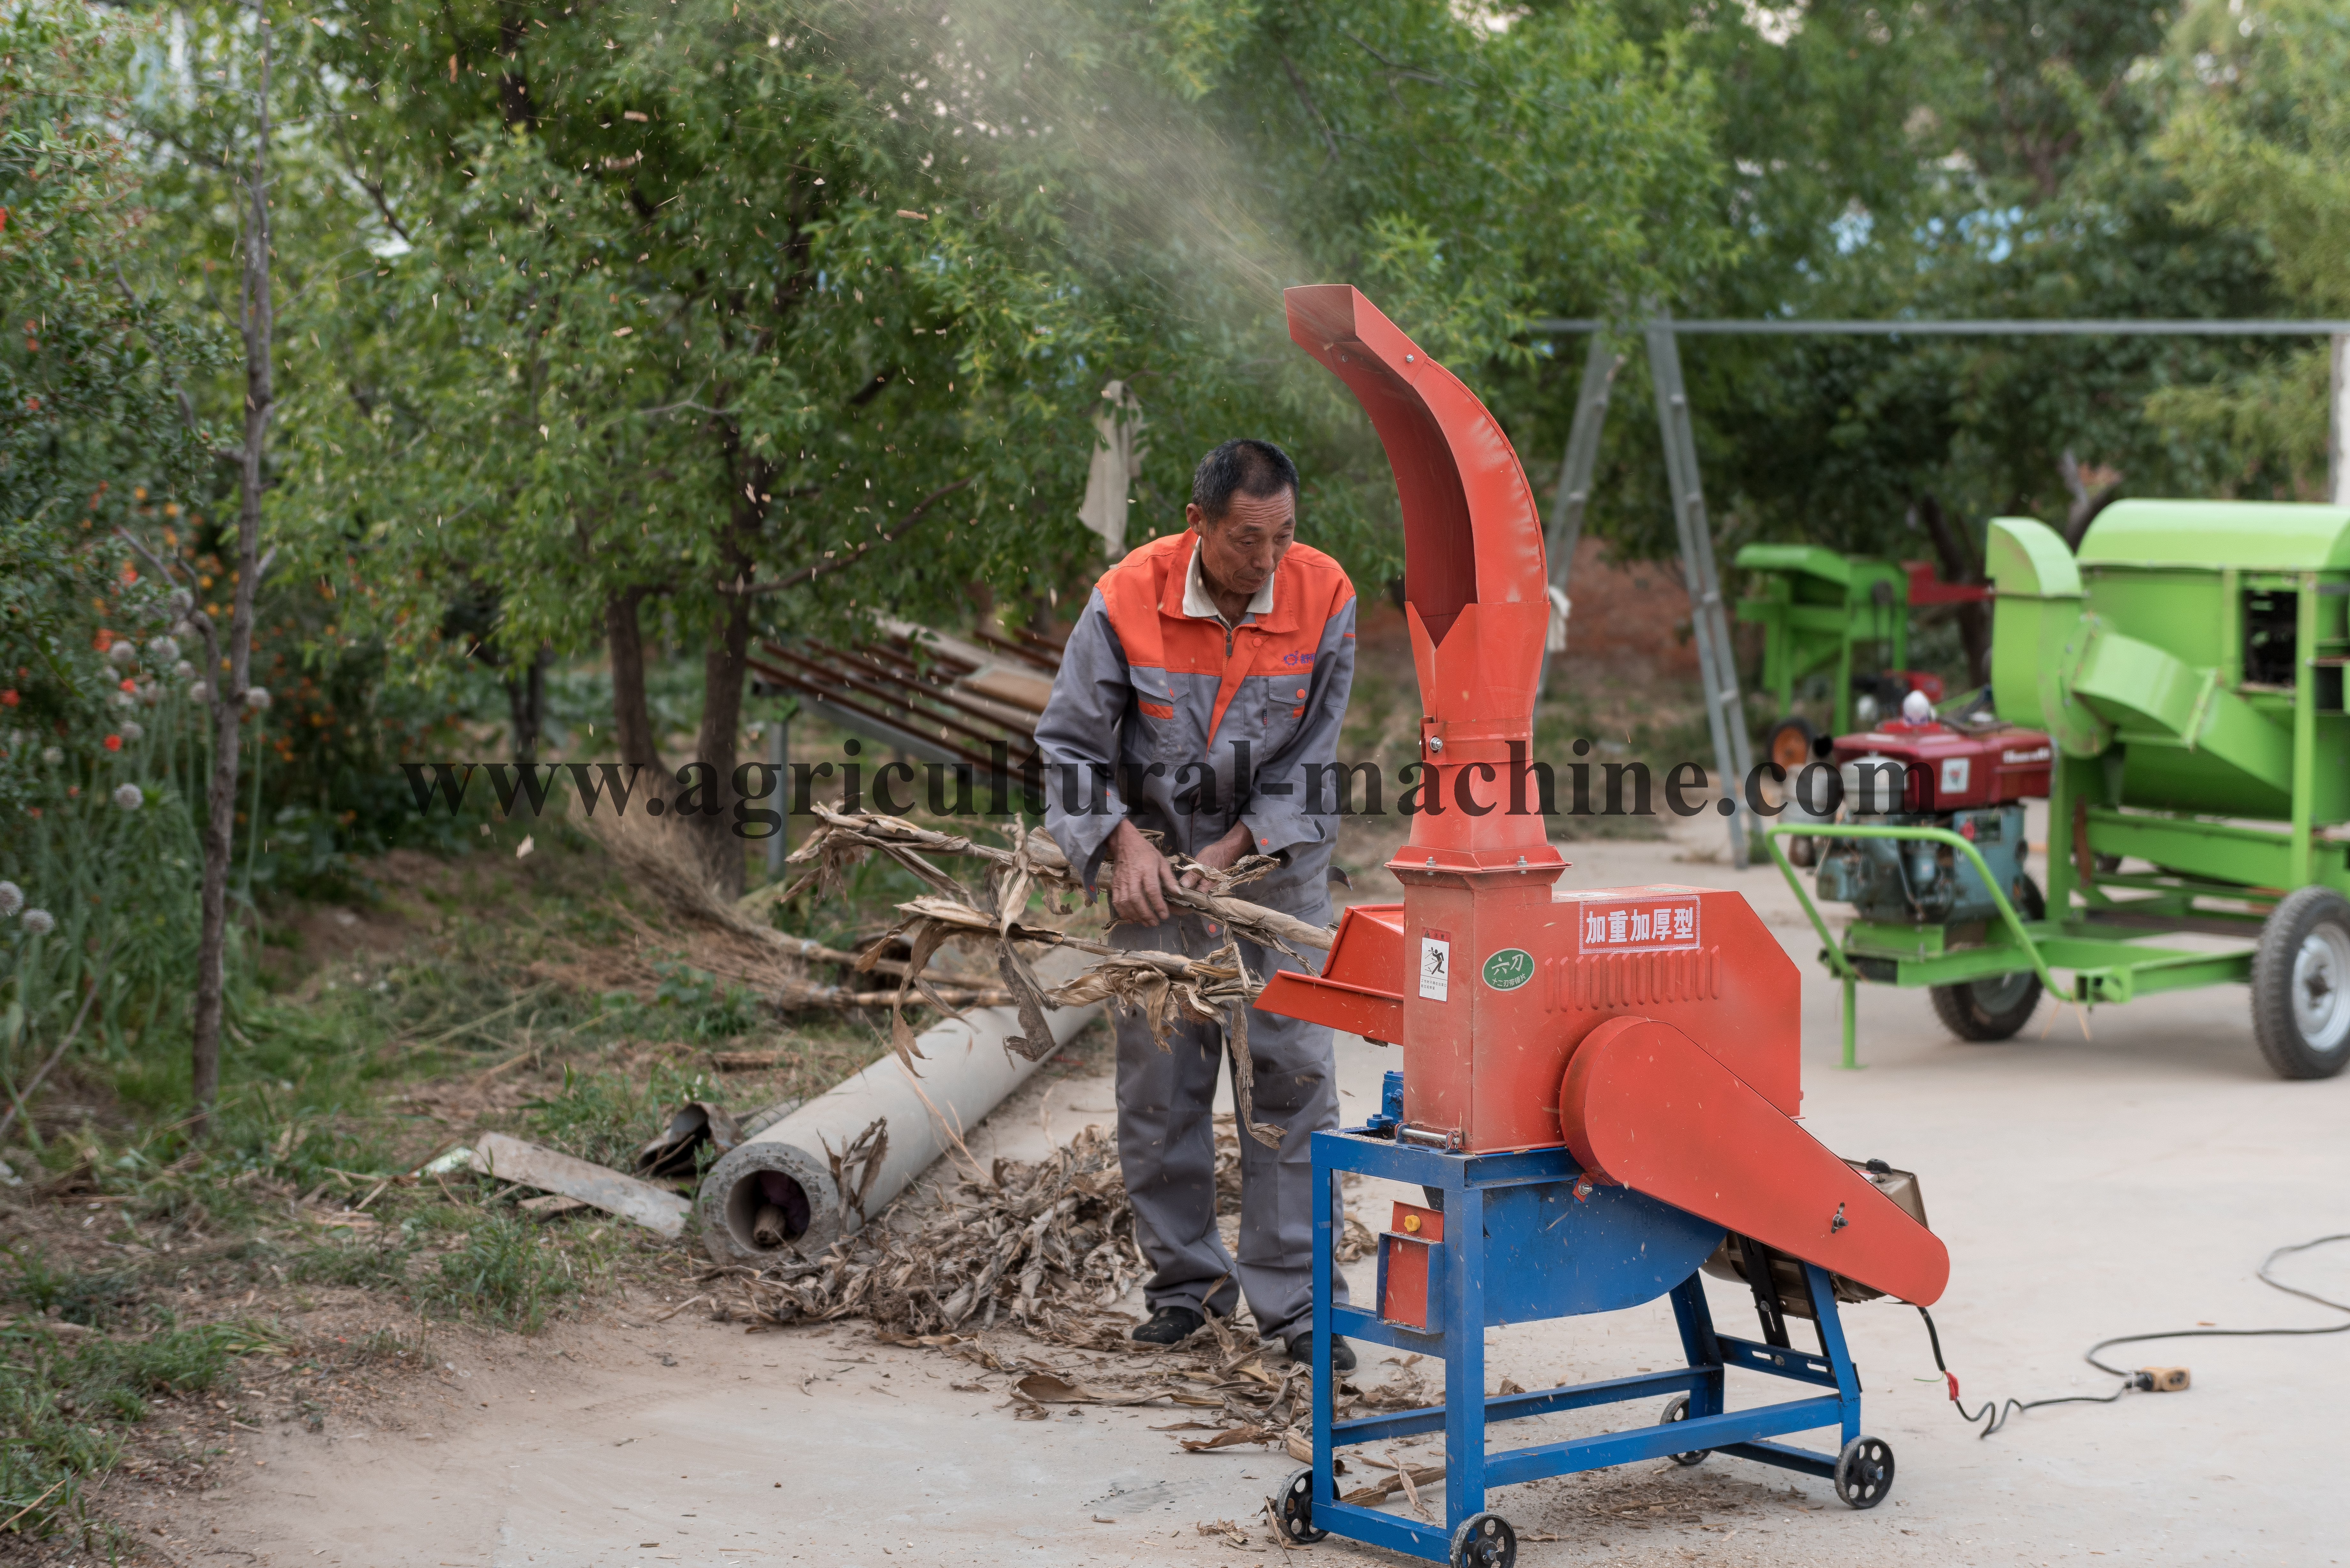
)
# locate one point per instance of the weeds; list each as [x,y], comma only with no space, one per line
[509,1272]
[604,1116]
[89,1300]
[369,1263]
[454,1260]
[64,1401]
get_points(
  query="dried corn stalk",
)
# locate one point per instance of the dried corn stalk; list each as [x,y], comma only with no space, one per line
[1166,989]
[1035,862]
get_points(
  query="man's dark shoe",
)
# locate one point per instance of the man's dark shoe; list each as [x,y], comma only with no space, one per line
[1301,1350]
[1169,1326]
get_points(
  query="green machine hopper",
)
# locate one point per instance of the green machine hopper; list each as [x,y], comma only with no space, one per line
[2188,665]
[1818,610]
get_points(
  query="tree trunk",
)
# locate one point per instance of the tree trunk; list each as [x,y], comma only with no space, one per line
[1959,565]
[229,686]
[2086,503]
[723,668]
[211,939]
[624,639]
[526,707]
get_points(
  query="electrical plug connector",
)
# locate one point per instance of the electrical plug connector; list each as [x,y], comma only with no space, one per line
[2159,1380]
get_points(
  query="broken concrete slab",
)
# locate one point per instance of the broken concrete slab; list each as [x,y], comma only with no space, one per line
[657,1208]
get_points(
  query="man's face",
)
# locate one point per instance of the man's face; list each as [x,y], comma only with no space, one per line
[1239,550]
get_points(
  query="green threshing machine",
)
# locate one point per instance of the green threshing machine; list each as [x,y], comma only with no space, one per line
[2188,668]
[1818,610]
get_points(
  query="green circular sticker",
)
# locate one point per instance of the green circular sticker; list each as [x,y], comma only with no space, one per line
[1509,969]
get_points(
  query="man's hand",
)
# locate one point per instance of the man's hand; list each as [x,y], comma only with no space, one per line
[1222,854]
[1143,879]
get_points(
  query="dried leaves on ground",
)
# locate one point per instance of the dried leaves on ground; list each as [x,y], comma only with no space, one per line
[1046,1247]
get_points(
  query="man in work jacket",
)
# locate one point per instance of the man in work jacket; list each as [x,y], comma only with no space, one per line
[1208,675]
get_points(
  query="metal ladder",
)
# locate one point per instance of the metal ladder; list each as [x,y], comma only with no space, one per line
[1725,712]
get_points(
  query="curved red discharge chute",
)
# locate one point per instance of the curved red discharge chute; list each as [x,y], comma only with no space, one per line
[1476,596]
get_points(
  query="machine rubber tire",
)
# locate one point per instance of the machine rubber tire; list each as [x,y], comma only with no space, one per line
[1863,1472]
[2301,985]
[1484,1541]
[1982,1011]
[1993,1008]
[1677,1409]
[1295,1508]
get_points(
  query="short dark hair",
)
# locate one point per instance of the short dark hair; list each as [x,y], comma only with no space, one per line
[1241,467]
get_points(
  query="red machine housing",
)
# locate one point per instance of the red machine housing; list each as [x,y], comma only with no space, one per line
[1628,1023]
[1948,769]
[1489,997]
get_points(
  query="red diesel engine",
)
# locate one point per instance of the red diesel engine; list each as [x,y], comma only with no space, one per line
[1971,780]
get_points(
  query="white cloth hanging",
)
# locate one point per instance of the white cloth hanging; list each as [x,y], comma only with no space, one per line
[1117,464]
[1554,637]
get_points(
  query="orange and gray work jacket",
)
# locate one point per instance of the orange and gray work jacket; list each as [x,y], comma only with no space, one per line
[1164,714]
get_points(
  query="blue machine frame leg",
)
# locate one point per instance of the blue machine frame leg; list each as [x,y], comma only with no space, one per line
[1525,1240]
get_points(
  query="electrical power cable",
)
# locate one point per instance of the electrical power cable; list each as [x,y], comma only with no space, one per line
[1994,1414]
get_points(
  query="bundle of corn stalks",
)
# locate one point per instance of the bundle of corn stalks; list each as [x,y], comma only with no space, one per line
[1034,862]
[1166,989]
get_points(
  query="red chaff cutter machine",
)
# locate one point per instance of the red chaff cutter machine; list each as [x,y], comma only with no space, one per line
[1599,1089]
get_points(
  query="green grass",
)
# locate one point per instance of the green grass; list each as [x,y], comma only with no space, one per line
[494,1265]
[65,1402]
[605,1115]
[315,1066]
[511,1273]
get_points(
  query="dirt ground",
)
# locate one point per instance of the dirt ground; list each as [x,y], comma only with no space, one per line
[2117,1173]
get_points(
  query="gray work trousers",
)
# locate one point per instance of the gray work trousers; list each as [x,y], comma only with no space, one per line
[1166,1146]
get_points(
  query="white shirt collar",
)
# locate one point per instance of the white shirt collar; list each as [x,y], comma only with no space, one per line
[1200,605]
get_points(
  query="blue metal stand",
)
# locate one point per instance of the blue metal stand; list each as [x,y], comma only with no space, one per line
[1525,1240]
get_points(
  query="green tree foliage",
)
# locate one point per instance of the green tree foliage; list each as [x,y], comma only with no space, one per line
[702,322]
[94,432]
[2261,142]
[1956,159]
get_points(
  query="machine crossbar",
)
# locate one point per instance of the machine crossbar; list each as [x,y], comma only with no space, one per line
[1779,1362]
[1780,1455]
[1719,1432]
[1537,1402]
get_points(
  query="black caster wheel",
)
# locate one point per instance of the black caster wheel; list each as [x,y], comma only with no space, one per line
[1863,1472]
[1294,1509]
[1677,1409]
[1484,1541]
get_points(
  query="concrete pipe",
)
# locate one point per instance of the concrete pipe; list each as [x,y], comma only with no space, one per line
[791,1166]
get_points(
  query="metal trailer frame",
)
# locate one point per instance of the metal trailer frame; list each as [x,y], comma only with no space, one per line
[1456,1295]
[2108,962]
